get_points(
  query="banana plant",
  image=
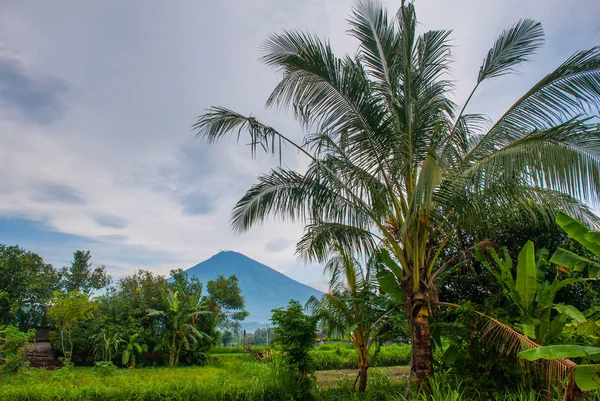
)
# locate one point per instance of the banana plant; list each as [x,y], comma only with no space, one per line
[131,346]
[587,376]
[531,292]
[588,238]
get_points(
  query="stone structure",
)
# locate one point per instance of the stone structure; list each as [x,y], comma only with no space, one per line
[41,353]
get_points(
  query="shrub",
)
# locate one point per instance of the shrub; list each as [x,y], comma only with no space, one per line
[12,348]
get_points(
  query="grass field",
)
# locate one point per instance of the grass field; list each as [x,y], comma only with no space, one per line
[233,380]
[332,356]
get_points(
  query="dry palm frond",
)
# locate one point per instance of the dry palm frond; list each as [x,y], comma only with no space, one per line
[509,342]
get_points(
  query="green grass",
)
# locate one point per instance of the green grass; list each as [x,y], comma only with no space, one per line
[330,356]
[229,381]
[330,359]
[235,350]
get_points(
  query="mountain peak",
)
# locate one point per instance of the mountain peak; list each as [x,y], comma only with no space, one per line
[263,288]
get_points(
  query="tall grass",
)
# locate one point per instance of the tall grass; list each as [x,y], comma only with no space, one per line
[246,381]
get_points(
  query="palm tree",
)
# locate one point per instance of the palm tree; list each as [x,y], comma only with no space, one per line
[350,309]
[395,164]
[179,319]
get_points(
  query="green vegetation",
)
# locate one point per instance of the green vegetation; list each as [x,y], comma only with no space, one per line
[397,168]
[346,357]
[427,218]
[12,348]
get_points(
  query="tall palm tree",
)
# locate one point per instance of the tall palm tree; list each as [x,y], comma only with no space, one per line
[395,164]
[351,308]
[179,319]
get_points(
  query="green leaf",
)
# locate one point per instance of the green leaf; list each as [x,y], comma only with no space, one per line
[587,377]
[551,352]
[579,232]
[570,311]
[388,284]
[450,355]
[526,284]
[568,259]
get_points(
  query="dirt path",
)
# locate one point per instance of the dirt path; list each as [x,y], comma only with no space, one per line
[332,377]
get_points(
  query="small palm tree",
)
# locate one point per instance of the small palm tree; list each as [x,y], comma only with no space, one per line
[179,319]
[395,164]
[350,309]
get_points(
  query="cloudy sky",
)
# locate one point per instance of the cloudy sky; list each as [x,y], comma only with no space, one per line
[97,100]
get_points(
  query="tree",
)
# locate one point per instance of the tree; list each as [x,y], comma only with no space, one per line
[226,300]
[81,277]
[395,164]
[67,312]
[179,314]
[296,333]
[226,337]
[350,309]
[26,287]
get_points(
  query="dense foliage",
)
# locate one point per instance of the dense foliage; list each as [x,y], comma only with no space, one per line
[142,319]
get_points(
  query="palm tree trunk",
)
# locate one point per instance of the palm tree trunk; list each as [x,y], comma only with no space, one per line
[423,357]
[362,384]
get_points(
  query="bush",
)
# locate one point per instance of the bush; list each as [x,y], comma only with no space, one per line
[12,348]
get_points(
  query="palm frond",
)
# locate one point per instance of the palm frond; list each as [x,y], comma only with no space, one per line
[514,46]
[322,239]
[570,91]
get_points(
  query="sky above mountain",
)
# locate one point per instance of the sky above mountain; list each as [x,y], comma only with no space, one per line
[97,100]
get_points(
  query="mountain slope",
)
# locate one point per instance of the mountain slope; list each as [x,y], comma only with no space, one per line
[262,287]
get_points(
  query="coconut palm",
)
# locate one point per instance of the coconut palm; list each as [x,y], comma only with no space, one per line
[351,308]
[179,319]
[394,163]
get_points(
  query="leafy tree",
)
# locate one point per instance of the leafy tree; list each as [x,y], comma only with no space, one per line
[394,163]
[126,306]
[226,300]
[66,313]
[295,332]
[226,337]
[182,282]
[26,287]
[178,316]
[81,277]
[351,308]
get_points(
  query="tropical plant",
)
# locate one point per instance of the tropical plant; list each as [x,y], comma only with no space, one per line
[531,293]
[585,375]
[394,163]
[132,346]
[350,309]
[179,318]
[106,344]
[590,240]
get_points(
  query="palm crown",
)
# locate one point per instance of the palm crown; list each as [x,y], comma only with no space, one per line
[395,164]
